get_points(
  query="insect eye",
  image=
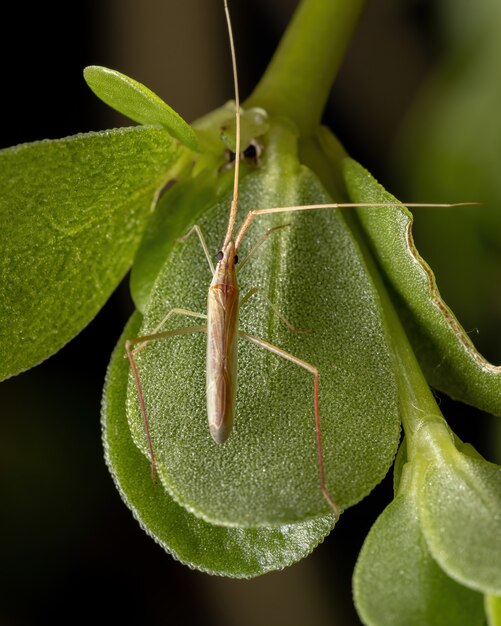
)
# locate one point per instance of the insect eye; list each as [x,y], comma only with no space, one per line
[220,255]
[236,259]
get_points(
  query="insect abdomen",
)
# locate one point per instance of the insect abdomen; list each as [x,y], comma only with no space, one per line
[222,335]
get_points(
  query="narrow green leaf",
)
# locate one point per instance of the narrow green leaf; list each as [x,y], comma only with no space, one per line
[446,353]
[72,214]
[216,550]
[312,270]
[138,102]
[460,505]
[396,581]
[493,610]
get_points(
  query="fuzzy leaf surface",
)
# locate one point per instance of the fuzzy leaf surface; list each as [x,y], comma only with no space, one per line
[397,582]
[72,213]
[461,517]
[216,550]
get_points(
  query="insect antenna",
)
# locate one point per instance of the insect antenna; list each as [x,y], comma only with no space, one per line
[234,201]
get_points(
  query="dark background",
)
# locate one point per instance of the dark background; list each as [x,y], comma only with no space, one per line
[70,551]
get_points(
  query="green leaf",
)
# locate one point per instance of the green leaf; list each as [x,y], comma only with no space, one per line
[446,353]
[460,503]
[72,213]
[396,581]
[216,550]
[176,211]
[493,610]
[137,102]
[312,270]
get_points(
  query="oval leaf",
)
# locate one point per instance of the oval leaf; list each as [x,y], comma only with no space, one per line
[216,550]
[396,581]
[446,353]
[460,505]
[312,270]
[72,213]
[137,102]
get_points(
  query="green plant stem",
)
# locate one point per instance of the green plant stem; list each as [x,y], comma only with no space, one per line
[418,403]
[418,406]
[300,75]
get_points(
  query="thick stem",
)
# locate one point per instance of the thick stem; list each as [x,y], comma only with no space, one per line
[297,82]
[418,406]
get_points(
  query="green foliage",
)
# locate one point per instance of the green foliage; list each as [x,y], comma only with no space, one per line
[461,506]
[176,211]
[396,580]
[138,102]
[270,459]
[444,349]
[72,213]
[448,148]
[77,212]
[235,552]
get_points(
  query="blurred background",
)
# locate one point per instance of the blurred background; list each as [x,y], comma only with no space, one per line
[416,102]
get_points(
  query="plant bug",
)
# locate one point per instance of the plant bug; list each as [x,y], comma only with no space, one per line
[221,320]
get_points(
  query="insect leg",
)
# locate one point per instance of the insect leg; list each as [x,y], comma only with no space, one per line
[273,307]
[258,243]
[336,205]
[196,228]
[316,377]
[130,355]
[164,321]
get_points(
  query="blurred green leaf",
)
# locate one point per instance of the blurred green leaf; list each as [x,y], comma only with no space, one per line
[448,357]
[137,102]
[217,550]
[448,149]
[267,472]
[72,213]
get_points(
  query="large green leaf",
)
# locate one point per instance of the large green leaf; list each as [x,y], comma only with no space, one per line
[72,214]
[137,102]
[312,270]
[446,353]
[217,550]
[397,582]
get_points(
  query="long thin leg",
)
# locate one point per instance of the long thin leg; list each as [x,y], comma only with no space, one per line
[274,308]
[335,205]
[201,238]
[316,378]
[164,321]
[130,355]
[259,243]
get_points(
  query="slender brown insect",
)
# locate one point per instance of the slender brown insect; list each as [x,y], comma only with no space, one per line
[222,315]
